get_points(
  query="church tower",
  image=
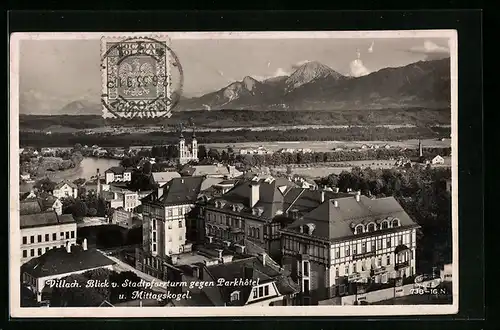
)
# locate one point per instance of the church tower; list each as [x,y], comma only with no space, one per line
[182,148]
[194,147]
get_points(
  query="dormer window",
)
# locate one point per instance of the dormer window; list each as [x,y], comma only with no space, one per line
[359,229]
[235,296]
[308,228]
[396,223]
[385,224]
[371,227]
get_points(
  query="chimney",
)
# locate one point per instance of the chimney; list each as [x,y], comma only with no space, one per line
[68,247]
[84,244]
[263,255]
[335,203]
[254,194]
[182,180]
[98,183]
[322,197]
[220,253]
[358,195]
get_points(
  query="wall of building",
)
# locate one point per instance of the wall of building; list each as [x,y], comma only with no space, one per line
[47,241]
[65,191]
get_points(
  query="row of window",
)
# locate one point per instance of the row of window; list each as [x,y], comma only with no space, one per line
[385,224]
[39,251]
[224,219]
[63,235]
[180,224]
[372,247]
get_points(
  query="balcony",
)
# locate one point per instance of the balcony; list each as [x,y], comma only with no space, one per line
[401,264]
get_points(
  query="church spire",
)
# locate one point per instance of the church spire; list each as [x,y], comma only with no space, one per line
[194,133]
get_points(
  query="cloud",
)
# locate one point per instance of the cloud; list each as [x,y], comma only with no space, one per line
[370,50]
[358,69]
[299,64]
[431,50]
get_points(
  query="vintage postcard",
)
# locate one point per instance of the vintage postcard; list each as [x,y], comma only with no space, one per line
[233,174]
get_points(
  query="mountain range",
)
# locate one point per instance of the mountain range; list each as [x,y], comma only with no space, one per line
[313,86]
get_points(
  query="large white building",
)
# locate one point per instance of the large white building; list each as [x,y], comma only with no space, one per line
[164,216]
[346,240]
[43,229]
[188,153]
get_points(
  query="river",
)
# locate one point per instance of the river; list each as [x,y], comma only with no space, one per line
[88,167]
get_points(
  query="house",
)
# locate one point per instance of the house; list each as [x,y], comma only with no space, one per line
[269,285]
[246,213]
[61,262]
[161,178]
[65,189]
[437,160]
[118,174]
[43,229]
[348,240]
[25,177]
[117,197]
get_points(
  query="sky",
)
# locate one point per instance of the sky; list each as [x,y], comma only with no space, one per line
[53,73]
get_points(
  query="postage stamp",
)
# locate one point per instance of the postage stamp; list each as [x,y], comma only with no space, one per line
[137,78]
[272,174]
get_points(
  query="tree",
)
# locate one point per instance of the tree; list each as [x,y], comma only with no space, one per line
[289,170]
[77,147]
[214,154]
[45,185]
[79,209]
[202,152]
[79,181]
[147,168]
[92,212]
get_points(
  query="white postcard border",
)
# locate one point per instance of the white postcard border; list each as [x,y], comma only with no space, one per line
[16,311]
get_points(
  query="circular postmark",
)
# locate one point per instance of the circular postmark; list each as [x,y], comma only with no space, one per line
[141,78]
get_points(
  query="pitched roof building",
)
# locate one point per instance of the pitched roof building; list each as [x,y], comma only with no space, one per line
[61,262]
[348,239]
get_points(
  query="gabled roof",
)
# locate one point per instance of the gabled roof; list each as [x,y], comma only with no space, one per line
[332,223]
[59,261]
[65,182]
[118,170]
[182,190]
[251,268]
[164,176]
[41,219]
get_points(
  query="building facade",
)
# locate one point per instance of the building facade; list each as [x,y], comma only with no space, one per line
[118,174]
[43,230]
[188,153]
[65,189]
[352,239]
[164,216]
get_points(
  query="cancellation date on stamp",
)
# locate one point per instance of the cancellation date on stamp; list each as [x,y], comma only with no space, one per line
[141,77]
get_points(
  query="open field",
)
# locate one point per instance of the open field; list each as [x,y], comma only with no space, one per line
[320,170]
[323,146]
[243,119]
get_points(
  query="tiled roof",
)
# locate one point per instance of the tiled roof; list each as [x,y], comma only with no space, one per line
[182,190]
[41,219]
[332,223]
[209,182]
[118,170]
[271,196]
[62,183]
[164,176]
[30,206]
[59,261]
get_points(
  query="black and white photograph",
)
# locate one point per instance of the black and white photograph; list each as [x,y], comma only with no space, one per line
[233,173]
